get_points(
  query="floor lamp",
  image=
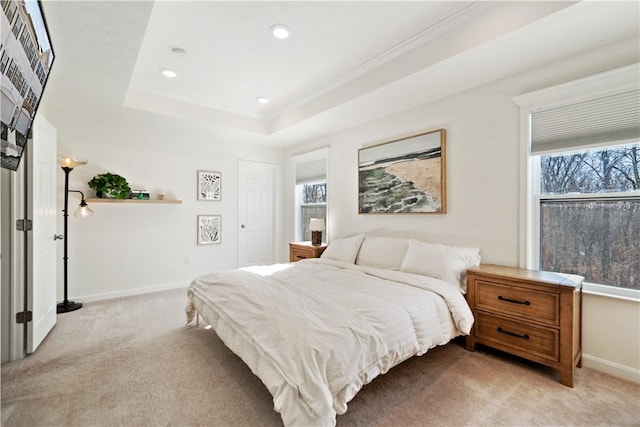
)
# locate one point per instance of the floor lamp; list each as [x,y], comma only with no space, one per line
[67,164]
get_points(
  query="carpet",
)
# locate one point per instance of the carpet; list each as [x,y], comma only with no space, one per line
[133,362]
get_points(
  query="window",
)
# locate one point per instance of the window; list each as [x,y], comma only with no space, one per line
[590,214]
[40,73]
[24,87]
[581,180]
[31,99]
[311,196]
[313,204]
[4,61]
[28,46]
[16,77]
[17,26]
[10,8]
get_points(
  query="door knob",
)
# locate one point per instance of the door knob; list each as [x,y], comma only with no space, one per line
[242,226]
[58,237]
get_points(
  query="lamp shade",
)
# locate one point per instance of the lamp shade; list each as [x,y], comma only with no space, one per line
[316,224]
[71,162]
[83,210]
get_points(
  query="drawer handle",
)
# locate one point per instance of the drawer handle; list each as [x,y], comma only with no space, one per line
[501,298]
[513,334]
[301,257]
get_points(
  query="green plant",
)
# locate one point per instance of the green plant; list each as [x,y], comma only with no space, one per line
[109,185]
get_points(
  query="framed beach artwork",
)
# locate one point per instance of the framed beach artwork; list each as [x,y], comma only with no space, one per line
[209,229]
[209,185]
[404,175]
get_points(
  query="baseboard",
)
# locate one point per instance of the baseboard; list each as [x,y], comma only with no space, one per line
[131,292]
[612,368]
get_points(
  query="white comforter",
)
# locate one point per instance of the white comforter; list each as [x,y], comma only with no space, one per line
[316,331]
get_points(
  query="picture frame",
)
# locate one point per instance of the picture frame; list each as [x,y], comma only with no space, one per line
[209,229]
[209,185]
[25,77]
[404,176]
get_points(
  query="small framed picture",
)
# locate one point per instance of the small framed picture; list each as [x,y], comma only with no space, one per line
[209,229]
[209,185]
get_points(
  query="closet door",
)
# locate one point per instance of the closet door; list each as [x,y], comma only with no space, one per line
[256,213]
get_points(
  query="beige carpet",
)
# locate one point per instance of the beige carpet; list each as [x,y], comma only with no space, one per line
[132,362]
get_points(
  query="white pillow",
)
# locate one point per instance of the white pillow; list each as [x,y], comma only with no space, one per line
[382,252]
[345,249]
[448,263]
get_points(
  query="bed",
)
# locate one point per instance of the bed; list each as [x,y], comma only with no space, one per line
[316,331]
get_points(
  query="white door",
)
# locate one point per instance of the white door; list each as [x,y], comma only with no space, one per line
[256,213]
[42,209]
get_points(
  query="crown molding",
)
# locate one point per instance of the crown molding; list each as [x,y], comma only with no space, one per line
[429,33]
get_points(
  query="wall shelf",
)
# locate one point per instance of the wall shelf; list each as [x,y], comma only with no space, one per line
[95,200]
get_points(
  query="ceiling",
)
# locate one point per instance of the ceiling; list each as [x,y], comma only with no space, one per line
[345,63]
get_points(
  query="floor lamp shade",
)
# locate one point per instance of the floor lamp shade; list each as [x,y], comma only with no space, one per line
[71,162]
[67,164]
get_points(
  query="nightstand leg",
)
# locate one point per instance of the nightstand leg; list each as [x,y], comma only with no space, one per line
[566,376]
[470,343]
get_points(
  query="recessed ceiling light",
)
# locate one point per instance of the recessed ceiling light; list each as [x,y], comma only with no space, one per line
[262,100]
[279,31]
[168,73]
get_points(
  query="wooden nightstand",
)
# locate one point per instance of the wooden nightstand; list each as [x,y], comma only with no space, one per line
[303,250]
[532,314]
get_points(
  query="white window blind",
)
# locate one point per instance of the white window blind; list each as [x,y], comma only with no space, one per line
[609,119]
[310,172]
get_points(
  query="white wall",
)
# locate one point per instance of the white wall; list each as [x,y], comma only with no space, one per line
[131,248]
[482,181]
[611,335]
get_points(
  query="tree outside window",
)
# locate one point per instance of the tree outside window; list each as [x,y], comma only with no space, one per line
[313,204]
[590,214]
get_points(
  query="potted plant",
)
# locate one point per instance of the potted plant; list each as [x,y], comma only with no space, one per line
[110,186]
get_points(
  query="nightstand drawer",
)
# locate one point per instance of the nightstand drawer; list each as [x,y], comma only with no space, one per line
[304,250]
[301,253]
[537,306]
[531,339]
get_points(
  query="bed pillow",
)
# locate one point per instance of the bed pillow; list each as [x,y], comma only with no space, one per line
[448,263]
[345,249]
[382,252]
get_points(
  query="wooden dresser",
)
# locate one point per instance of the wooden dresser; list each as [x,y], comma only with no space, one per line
[304,250]
[532,314]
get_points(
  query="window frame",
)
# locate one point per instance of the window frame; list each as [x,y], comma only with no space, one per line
[603,84]
[318,154]
[300,205]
